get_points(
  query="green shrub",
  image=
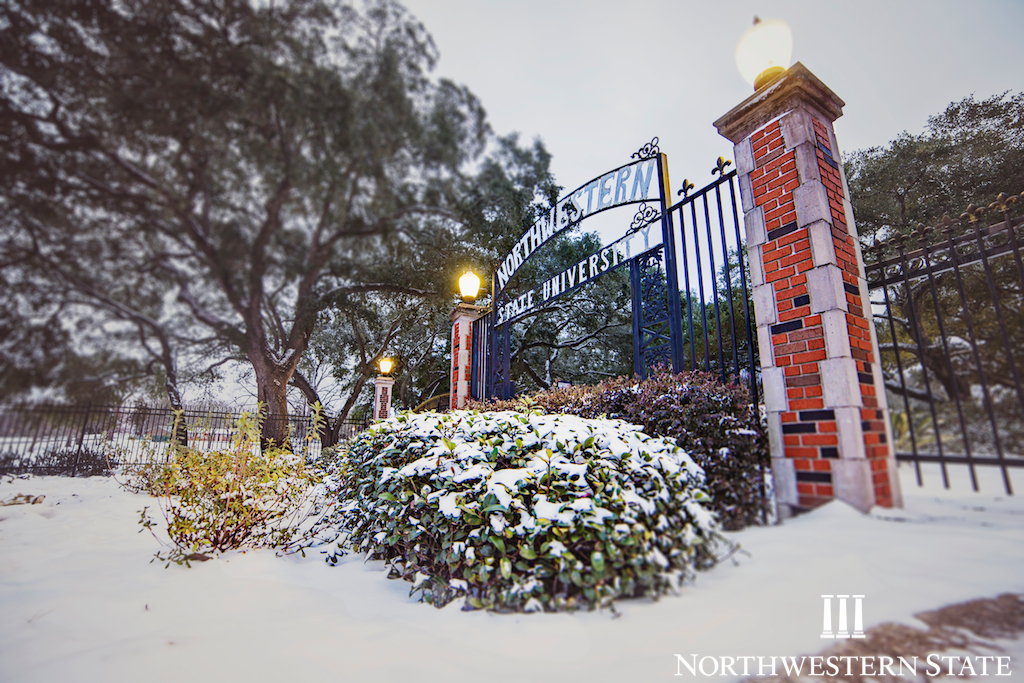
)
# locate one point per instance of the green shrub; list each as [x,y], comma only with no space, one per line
[522,511]
[247,497]
[714,422]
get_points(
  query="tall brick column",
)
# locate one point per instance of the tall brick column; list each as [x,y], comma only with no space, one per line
[462,319]
[827,415]
[382,388]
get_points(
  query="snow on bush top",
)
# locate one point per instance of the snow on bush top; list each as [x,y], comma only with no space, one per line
[526,511]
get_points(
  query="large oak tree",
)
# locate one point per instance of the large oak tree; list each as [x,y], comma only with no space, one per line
[214,174]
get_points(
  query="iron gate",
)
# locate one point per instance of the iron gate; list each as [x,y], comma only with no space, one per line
[691,300]
[948,304]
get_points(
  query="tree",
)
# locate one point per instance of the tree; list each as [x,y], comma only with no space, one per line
[244,166]
[943,335]
[969,153]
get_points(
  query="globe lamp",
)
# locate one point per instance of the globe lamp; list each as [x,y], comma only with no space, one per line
[764,51]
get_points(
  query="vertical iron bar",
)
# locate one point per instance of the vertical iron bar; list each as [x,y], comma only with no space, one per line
[918,340]
[668,238]
[689,299]
[639,368]
[999,309]
[714,288]
[925,243]
[81,438]
[700,288]
[969,320]
[903,380]
[746,294]
[689,292]
[728,284]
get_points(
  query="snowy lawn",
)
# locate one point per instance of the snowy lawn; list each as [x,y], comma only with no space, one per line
[80,600]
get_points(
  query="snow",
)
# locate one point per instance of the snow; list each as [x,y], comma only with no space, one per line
[81,601]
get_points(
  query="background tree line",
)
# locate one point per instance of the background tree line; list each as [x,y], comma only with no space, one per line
[186,185]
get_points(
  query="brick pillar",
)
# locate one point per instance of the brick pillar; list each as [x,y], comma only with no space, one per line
[462,319]
[382,387]
[828,419]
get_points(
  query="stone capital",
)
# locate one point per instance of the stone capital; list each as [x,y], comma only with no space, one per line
[794,89]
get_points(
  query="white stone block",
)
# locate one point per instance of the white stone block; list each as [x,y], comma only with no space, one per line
[753,221]
[797,128]
[840,385]
[807,164]
[784,482]
[851,223]
[811,202]
[823,250]
[851,435]
[825,287]
[837,335]
[756,262]
[774,384]
[775,442]
[765,309]
[851,482]
[764,346]
[744,153]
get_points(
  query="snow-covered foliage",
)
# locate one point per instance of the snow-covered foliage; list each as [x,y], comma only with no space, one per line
[522,511]
[242,497]
[714,422]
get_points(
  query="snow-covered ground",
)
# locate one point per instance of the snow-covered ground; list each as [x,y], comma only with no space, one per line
[80,600]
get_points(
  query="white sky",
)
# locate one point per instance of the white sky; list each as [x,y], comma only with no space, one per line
[596,80]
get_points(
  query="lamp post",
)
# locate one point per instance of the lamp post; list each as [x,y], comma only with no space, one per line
[463,317]
[382,389]
[828,421]
[764,51]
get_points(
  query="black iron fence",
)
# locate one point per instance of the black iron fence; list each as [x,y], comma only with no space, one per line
[718,314]
[948,304]
[93,440]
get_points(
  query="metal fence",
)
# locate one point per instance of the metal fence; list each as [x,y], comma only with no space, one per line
[948,304]
[93,440]
[718,315]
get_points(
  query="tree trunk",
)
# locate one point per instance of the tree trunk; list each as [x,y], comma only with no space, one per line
[272,392]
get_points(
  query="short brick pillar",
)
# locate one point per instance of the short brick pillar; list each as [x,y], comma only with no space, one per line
[462,319]
[827,414]
[382,389]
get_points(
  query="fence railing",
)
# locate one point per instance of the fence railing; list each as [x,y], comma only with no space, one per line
[718,313]
[949,313]
[91,440]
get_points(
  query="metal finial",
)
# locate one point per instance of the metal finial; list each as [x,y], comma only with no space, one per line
[973,213]
[720,166]
[946,223]
[647,151]
[687,186]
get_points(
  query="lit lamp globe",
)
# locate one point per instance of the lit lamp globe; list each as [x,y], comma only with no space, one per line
[385,365]
[764,51]
[469,286]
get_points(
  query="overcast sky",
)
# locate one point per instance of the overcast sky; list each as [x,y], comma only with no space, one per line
[597,79]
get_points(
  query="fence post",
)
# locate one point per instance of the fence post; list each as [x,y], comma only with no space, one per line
[81,438]
[828,420]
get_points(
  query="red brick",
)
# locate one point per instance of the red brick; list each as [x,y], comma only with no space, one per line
[809,356]
[807,404]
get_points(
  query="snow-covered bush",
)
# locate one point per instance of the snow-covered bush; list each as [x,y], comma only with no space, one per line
[714,422]
[521,511]
[244,497]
